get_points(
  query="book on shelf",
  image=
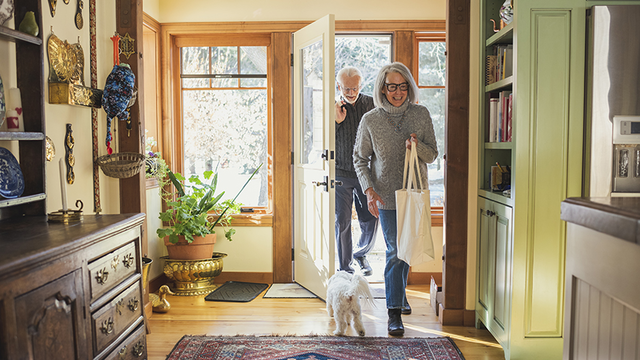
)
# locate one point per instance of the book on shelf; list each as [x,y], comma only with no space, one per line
[509,117]
[493,120]
[499,65]
[490,69]
[500,117]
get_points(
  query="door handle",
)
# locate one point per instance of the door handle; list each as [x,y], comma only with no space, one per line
[324,183]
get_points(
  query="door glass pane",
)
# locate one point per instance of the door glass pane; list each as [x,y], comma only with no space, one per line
[311,104]
[432,64]
[434,99]
[195,60]
[226,131]
[366,52]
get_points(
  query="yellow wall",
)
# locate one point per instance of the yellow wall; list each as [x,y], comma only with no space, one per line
[297,10]
[57,116]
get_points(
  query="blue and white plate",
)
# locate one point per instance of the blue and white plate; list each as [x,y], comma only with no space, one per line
[11,178]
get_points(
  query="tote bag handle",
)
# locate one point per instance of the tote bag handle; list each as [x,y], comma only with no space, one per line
[411,162]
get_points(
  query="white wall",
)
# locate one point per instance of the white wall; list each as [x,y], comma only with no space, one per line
[57,116]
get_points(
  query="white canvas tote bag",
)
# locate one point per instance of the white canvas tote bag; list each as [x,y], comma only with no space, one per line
[413,212]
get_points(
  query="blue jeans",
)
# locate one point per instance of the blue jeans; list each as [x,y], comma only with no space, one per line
[346,194]
[396,271]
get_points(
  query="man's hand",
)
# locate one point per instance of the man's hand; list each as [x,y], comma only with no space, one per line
[372,201]
[413,138]
[341,113]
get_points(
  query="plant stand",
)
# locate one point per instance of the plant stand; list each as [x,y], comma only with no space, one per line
[193,277]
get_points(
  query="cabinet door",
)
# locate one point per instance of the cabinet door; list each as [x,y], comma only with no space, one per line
[503,269]
[485,261]
[50,320]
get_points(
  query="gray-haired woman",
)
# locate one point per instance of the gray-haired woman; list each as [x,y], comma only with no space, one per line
[378,157]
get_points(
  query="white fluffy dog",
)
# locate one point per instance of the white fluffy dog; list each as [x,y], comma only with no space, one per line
[343,300]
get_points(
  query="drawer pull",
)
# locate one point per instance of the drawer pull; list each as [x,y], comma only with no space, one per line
[114,262]
[128,260]
[101,276]
[107,326]
[133,304]
[119,306]
[123,352]
[138,349]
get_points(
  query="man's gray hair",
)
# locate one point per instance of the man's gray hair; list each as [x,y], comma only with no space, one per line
[401,69]
[349,71]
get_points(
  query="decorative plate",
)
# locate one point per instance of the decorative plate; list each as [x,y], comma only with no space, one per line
[11,179]
[3,103]
[6,10]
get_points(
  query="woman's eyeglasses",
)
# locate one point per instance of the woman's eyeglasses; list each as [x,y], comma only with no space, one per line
[393,87]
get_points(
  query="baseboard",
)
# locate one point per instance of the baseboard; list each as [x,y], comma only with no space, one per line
[264,278]
[456,317]
[423,278]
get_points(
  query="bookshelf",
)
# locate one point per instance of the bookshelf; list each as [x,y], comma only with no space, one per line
[30,79]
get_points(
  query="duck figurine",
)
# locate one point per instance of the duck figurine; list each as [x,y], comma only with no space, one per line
[159,302]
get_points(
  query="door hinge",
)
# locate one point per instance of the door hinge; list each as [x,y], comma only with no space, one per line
[293,252]
[292,158]
[291,59]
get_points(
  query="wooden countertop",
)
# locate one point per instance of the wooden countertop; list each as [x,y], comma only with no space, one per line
[32,239]
[615,216]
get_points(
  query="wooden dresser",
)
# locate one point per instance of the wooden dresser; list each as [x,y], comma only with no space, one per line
[71,291]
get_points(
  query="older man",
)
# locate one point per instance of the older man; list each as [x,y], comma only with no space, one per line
[349,110]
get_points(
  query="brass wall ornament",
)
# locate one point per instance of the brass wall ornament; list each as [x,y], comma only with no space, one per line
[52,7]
[126,46]
[69,142]
[78,17]
[66,75]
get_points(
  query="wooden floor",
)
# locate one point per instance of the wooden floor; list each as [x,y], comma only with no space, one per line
[195,316]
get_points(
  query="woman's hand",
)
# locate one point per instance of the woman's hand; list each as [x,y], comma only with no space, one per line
[372,201]
[341,112]
[413,138]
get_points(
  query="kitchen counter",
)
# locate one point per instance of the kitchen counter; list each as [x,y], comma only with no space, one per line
[615,216]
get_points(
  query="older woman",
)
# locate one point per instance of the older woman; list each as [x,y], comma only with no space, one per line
[378,157]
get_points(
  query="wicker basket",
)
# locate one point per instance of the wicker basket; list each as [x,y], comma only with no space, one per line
[121,165]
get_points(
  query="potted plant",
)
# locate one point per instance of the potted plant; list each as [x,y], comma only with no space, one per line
[191,234]
[155,166]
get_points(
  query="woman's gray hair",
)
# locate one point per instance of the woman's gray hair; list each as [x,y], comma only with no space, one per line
[401,69]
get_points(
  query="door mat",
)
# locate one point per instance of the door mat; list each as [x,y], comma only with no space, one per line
[313,347]
[236,291]
[288,291]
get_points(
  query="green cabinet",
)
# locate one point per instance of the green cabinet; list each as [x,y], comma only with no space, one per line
[520,272]
[494,268]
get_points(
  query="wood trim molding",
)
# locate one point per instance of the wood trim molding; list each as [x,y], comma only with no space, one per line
[454,267]
[403,46]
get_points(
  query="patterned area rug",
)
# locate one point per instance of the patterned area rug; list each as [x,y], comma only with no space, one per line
[313,348]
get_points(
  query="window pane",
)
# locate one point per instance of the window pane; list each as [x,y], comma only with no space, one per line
[253,82]
[367,53]
[227,130]
[311,137]
[434,100]
[432,64]
[224,60]
[253,60]
[195,60]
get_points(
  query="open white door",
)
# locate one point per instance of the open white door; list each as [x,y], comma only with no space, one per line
[314,137]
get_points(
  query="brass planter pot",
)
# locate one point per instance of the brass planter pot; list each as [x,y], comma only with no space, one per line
[193,277]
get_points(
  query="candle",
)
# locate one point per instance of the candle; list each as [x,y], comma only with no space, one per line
[63,185]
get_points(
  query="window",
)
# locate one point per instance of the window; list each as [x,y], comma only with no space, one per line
[366,52]
[431,82]
[225,118]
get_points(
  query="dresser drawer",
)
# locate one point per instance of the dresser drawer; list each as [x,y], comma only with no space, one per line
[132,348]
[114,317]
[109,270]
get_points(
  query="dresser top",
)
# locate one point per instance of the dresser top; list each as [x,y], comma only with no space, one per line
[32,239]
[615,216]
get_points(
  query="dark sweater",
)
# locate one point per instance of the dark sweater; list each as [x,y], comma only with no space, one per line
[346,135]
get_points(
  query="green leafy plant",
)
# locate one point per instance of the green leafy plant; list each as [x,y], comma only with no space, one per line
[188,214]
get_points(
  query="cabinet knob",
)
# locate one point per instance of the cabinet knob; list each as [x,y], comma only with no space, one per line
[138,349]
[133,304]
[128,260]
[490,213]
[102,276]
[114,262]
[107,326]
[123,352]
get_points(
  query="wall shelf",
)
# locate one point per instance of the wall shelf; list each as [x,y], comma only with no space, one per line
[10,135]
[21,200]
[13,35]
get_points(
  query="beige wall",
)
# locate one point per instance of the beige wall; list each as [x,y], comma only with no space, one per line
[296,10]
[57,116]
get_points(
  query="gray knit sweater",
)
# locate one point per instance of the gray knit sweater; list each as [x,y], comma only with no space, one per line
[379,152]
[346,134]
